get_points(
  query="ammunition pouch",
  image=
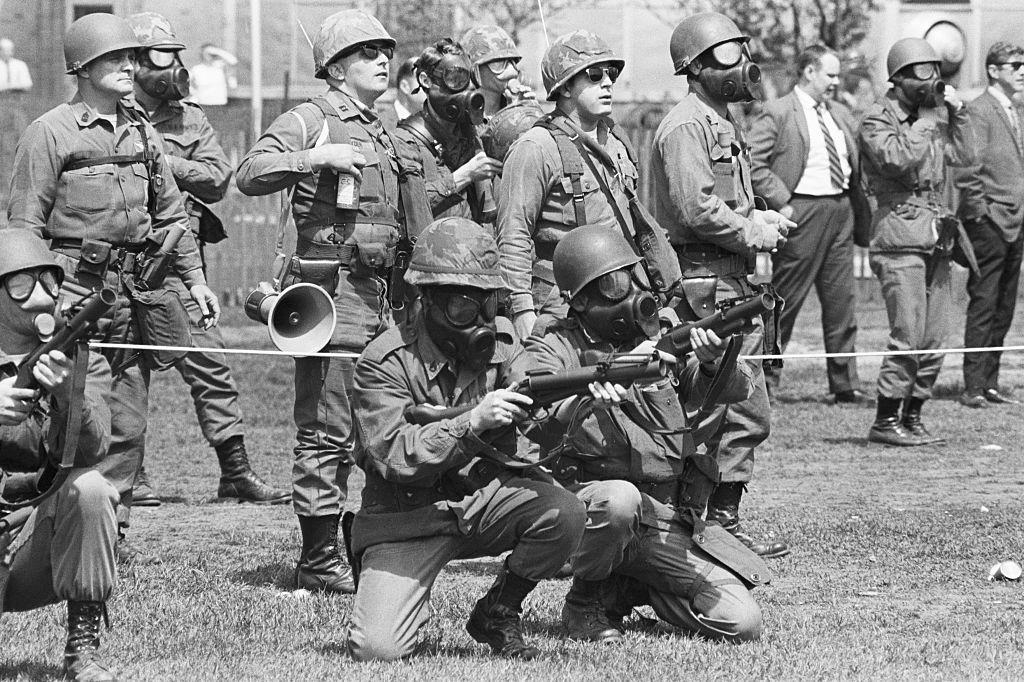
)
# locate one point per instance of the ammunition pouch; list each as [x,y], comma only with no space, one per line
[323,272]
[375,245]
[699,479]
[700,294]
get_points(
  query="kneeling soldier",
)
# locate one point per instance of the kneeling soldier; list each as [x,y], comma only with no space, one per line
[635,465]
[448,489]
[59,546]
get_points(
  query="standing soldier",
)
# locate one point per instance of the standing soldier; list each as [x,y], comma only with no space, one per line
[57,544]
[202,172]
[348,177]
[456,171]
[444,490]
[704,199]
[907,139]
[572,168]
[90,176]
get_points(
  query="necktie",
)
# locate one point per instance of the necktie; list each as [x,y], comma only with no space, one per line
[1015,122]
[835,167]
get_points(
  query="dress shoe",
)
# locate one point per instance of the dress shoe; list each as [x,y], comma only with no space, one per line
[994,396]
[972,399]
[853,396]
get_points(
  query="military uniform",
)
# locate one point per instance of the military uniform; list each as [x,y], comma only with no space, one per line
[440,154]
[115,203]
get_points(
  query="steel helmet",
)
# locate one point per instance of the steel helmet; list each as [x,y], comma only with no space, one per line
[571,53]
[455,252]
[585,254]
[154,31]
[488,43]
[698,33]
[342,30]
[507,125]
[24,250]
[909,51]
[94,35]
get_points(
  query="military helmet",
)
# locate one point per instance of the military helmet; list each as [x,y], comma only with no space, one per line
[909,51]
[342,30]
[571,53]
[507,125]
[24,250]
[586,253]
[95,35]
[154,31]
[488,43]
[698,33]
[455,252]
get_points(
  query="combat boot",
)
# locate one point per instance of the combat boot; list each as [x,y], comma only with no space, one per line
[583,615]
[888,429]
[237,479]
[913,424]
[143,494]
[620,594]
[81,660]
[495,618]
[321,567]
[724,509]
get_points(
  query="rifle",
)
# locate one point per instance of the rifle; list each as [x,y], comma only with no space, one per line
[730,316]
[547,388]
[83,323]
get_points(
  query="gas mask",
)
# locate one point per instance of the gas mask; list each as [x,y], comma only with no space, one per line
[919,85]
[728,74]
[162,75]
[460,322]
[450,94]
[619,307]
[24,328]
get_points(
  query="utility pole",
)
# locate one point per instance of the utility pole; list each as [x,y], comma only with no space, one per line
[256,68]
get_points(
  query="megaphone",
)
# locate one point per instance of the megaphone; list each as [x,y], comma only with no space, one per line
[300,319]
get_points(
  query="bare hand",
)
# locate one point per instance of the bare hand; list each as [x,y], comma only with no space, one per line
[481,167]
[52,372]
[774,226]
[787,211]
[498,409]
[952,97]
[208,304]
[707,346]
[607,394]
[15,403]
[341,158]
[523,323]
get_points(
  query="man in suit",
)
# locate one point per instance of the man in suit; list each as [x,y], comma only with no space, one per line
[804,162]
[992,209]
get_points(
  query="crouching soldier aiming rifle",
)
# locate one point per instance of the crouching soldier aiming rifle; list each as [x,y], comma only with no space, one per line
[57,520]
[449,489]
[630,456]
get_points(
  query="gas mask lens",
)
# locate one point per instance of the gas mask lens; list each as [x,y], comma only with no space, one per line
[727,54]
[19,285]
[615,286]
[498,66]
[455,78]
[161,59]
[462,310]
[924,71]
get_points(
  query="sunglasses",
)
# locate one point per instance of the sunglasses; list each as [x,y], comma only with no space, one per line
[371,51]
[499,65]
[596,74]
[463,309]
[20,285]
[1014,66]
[159,58]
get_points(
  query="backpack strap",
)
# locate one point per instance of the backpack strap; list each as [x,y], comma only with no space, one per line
[572,163]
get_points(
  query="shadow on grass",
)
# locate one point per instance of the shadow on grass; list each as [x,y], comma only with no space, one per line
[280,575]
[429,647]
[29,670]
[484,567]
[859,441]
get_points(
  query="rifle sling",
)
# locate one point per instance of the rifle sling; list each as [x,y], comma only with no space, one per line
[725,367]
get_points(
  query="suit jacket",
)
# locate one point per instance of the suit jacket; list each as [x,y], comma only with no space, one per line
[994,187]
[779,144]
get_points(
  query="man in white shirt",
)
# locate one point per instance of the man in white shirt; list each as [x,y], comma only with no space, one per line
[14,75]
[410,97]
[804,163]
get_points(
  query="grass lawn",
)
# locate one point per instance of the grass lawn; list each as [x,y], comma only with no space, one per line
[887,578]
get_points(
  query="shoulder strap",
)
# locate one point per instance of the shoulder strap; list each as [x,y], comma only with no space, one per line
[417,127]
[572,163]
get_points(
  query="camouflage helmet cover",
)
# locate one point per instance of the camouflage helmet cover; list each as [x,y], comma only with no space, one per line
[507,125]
[488,43]
[154,31]
[570,54]
[95,35]
[909,51]
[455,252]
[24,250]
[585,254]
[342,30]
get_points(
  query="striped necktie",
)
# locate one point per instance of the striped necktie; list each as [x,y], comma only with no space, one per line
[1015,124]
[835,166]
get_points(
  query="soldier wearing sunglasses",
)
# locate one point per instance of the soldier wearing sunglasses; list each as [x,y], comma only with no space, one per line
[456,171]
[448,489]
[703,197]
[60,545]
[908,141]
[354,201]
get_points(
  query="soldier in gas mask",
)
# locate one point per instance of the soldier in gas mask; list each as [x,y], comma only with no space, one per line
[908,139]
[630,455]
[202,172]
[456,170]
[704,199]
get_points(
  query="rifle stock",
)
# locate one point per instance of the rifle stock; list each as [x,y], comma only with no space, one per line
[548,388]
[64,340]
[728,320]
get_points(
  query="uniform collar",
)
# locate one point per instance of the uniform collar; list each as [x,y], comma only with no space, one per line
[898,108]
[349,107]
[85,115]
[166,110]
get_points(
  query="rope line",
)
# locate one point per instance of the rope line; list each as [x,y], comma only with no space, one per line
[228,351]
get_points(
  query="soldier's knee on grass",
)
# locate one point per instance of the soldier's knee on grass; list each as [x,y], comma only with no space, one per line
[378,644]
[731,608]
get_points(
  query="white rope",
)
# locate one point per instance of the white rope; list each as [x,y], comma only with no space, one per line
[229,351]
[877,353]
